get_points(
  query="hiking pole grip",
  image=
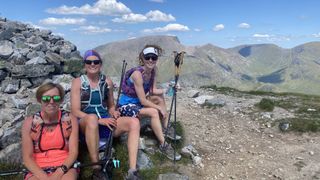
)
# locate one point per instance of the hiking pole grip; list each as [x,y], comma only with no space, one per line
[178,61]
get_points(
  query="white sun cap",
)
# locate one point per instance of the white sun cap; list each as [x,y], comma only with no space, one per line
[151,50]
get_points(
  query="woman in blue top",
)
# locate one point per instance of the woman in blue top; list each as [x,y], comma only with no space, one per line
[140,96]
[93,103]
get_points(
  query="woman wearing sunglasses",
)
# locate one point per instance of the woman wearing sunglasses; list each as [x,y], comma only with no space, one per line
[50,138]
[93,103]
[140,97]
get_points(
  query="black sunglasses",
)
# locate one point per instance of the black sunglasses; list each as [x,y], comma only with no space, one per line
[95,62]
[152,57]
[48,98]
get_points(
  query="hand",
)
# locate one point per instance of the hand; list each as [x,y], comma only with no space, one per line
[109,122]
[57,175]
[116,114]
[163,113]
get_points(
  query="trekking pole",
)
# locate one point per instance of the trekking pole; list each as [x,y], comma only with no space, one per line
[108,151]
[75,165]
[13,172]
[178,61]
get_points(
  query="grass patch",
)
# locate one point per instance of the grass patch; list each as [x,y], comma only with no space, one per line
[5,167]
[266,104]
[303,125]
[160,162]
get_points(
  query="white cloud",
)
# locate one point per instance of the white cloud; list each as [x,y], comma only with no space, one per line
[197,29]
[36,26]
[62,21]
[316,35]
[101,7]
[159,16]
[218,27]
[154,16]
[167,28]
[92,30]
[59,34]
[130,18]
[157,1]
[244,25]
[261,36]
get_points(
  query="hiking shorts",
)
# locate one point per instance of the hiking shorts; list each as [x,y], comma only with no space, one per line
[131,110]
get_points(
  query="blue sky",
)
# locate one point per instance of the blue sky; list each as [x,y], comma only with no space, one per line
[223,23]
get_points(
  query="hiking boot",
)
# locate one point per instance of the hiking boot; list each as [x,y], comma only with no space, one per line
[98,175]
[170,134]
[168,151]
[133,175]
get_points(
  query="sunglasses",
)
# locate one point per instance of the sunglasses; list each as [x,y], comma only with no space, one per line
[95,62]
[48,98]
[152,57]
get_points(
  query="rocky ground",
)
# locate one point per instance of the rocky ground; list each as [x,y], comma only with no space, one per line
[237,141]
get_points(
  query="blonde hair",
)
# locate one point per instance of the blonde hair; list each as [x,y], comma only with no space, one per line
[48,86]
[158,48]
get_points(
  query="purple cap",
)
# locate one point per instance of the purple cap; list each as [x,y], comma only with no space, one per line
[91,53]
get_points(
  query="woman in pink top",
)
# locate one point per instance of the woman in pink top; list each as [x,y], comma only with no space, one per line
[50,138]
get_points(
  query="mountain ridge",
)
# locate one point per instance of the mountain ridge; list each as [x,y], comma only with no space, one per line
[245,67]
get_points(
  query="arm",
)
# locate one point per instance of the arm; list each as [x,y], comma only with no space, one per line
[155,90]
[75,99]
[27,150]
[138,86]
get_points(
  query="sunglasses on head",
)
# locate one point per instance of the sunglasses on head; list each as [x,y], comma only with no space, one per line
[48,98]
[152,57]
[95,62]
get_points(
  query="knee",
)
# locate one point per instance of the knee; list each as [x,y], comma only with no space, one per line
[135,124]
[91,121]
[154,113]
[158,100]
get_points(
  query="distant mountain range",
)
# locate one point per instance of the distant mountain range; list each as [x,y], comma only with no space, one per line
[265,67]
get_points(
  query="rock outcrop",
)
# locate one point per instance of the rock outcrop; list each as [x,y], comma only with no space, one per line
[28,57]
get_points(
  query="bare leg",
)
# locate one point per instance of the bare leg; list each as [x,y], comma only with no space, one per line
[159,100]
[90,127]
[155,122]
[132,127]
[71,174]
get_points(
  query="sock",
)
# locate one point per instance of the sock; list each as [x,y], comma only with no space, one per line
[131,170]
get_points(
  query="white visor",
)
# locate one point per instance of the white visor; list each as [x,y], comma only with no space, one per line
[151,50]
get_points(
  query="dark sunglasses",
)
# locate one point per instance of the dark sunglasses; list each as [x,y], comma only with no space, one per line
[95,62]
[152,57]
[48,98]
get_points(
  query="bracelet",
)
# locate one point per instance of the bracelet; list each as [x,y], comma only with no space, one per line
[64,168]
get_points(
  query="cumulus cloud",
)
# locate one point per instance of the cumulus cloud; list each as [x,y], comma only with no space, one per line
[197,29]
[316,35]
[159,16]
[167,28]
[151,16]
[244,25]
[92,30]
[218,27]
[101,7]
[62,21]
[271,37]
[261,36]
[130,18]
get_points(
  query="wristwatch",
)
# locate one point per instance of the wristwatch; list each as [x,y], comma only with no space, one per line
[64,168]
